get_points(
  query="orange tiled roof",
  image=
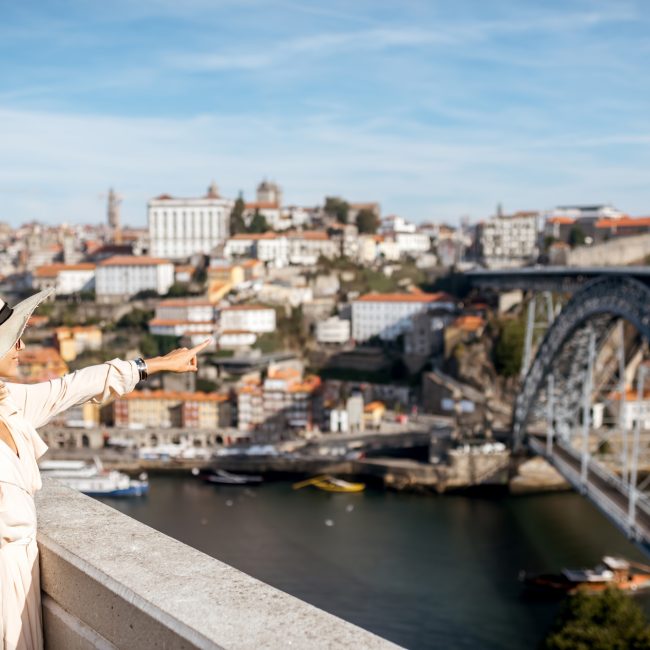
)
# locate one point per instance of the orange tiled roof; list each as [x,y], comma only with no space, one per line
[133,260]
[40,355]
[624,222]
[254,236]
[172,395]
[439,296]
[373,406]
[250,263]
[312,235]
[262,205]
[52,270]
[469,323]
[563,221]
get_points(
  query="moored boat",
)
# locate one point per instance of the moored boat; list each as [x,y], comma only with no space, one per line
[330,484]
[222,477]
[92,479]
[614,572]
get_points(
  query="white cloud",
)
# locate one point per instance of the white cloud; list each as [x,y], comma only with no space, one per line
[54,166]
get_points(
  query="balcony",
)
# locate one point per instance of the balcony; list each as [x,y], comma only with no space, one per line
[109,581]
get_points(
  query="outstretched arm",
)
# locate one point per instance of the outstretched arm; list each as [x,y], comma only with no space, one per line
[43,401]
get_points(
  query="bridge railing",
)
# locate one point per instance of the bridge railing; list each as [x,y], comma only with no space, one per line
[109,581]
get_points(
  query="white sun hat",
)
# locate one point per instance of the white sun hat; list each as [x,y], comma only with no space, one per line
[13,321]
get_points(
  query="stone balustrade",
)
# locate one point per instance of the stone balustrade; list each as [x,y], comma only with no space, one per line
[109,581]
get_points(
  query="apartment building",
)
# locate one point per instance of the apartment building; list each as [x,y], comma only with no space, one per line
[333,331]
[72,341]
[284,401]
[194,317]
[181,227]
[249,318]
[41,364]
[388,315]
[509,240]
[164,409]
[122,276]
[65,279]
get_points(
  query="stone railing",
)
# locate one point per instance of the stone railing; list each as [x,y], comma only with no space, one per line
[109,581]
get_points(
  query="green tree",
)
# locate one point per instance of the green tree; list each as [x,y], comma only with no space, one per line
[337,208]
[258,223]
[178,289]
[367,221]
[576,236]
[237,224]
[607,621]
[509,347]
[135,319]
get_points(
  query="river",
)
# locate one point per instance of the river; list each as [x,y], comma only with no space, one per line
[422,571]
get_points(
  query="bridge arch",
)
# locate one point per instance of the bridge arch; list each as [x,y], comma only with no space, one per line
[596,307]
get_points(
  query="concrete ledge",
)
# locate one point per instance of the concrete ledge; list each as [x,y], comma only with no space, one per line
[110,581]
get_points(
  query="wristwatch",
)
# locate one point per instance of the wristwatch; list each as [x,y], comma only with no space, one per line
[142,368]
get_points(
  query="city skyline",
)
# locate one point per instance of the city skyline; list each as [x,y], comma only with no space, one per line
[435,112]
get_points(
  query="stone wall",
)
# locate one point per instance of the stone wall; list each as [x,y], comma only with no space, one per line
[109,581]
[617,252]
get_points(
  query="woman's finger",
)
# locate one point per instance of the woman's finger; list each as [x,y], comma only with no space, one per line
[195,350]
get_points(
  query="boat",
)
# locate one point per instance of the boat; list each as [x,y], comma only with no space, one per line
[92,479]
[221,477]
[615,572]
[330,484]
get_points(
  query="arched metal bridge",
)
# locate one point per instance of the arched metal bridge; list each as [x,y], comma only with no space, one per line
[558,390]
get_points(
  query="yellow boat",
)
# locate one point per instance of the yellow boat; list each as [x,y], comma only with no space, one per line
[330,484]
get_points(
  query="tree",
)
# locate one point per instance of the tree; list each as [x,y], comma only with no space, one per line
[178,289]
[337,208]
[367,221]
[576,237]
[258,223]
[237,224]
[606,621]
[135,319]
[508,350]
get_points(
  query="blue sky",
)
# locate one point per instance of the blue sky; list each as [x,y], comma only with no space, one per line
[437,109]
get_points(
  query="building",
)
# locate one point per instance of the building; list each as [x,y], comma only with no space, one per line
[633,409]
[373,414]
[509,240]
[299,248]
[160,408]
[236,339]
[426,336]
[412,243]
[41,364]
[250,318]
[283,402]
[72,341]
[389,315]
[120,277]
[181,227]
[194,317]
[65,279]
[333,330]
[349,419]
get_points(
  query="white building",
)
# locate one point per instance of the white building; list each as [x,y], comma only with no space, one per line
[184,316]
[249,318]
[333,330]
[65,279]
[300,248]
[412,243]
[233,339]
[179,228]
[387,315]
[510,240]
[633,410]
[122,276]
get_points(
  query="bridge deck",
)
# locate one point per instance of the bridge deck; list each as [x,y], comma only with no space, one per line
[607,492]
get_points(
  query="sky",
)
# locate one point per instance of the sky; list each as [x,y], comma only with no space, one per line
[436,109]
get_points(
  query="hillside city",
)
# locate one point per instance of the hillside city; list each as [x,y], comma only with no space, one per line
[330,319]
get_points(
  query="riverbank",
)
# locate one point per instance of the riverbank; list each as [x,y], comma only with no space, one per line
[464,471]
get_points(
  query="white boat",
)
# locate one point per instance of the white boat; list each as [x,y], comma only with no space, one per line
[92,479]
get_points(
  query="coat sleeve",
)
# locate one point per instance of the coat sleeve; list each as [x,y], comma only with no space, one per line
[43,401]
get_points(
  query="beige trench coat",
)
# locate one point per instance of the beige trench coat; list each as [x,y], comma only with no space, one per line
[24,408]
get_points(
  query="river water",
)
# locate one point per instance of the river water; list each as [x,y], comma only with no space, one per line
[422,571]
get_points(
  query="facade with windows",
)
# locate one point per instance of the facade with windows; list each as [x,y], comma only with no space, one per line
[389,315]
[181,227]
[123,276]
[510,240]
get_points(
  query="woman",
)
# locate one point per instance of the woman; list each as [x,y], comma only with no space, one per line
[24,408]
